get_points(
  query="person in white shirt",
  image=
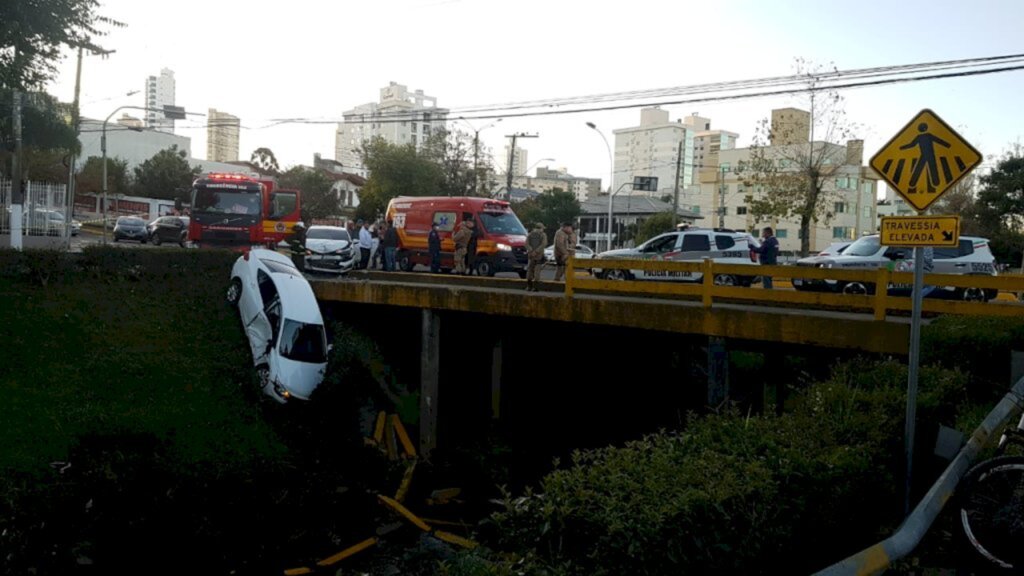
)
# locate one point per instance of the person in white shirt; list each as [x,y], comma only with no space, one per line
[365,244]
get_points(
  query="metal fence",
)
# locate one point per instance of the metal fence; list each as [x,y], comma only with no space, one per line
[43,210]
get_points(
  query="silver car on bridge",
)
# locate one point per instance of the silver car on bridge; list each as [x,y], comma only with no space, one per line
[689,245]
[971,257]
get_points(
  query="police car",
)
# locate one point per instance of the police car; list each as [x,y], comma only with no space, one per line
[690,245]
[971,257]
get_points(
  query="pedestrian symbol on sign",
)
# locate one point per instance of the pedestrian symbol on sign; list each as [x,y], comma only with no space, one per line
[926,142]
[925,159]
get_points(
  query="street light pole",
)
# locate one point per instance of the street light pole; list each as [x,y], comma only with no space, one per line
[171,111]
[611,175]
[476,150]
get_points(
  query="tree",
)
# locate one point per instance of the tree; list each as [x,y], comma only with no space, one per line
[90,179]
[34,32]
[657,224]
[790,174]
[46,136]
[318,201]
[265,162]
[395,171]
[1000,207]
[960,200]
[550,208]
[166,175]
[453,152]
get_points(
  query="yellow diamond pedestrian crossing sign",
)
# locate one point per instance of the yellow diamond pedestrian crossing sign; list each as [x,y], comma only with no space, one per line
[925,159]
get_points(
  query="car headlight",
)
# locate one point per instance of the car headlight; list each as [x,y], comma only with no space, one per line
[504,247]
[280,391]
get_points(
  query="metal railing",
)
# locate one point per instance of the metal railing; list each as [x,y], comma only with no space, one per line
[875,559]
[703,285]
[43,209]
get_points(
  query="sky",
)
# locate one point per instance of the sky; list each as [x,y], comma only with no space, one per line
[262,60]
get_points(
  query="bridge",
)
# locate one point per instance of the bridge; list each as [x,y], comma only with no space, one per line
[877,323]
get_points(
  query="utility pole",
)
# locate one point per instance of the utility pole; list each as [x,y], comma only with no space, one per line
[675,201]
[721,197]
[17,194]
[68,216]
[476,162]
[512,157]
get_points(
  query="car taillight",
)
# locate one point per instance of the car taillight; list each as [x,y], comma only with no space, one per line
[246,256]
[753,257]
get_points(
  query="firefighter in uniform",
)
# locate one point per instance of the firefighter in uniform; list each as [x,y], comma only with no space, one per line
[564,249]
[297,244]
[535,243]
[461,239]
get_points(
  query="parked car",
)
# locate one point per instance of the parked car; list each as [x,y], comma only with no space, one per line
[282,322]
[690,245]
[168,229]
[130,228]
[835,248]
[971,257]
[583,252]
[329,249]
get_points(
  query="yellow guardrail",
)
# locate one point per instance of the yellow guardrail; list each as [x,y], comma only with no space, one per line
[880,303]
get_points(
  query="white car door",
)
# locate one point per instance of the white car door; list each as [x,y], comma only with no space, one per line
[259,328]
[657,249]
[693,247]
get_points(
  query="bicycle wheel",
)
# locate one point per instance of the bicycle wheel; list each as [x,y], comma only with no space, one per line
[992,511]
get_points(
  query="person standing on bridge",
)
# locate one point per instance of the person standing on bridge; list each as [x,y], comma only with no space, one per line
[563,249]
[536,241]
[297,245]
[769,251]
[434,246]
[472,247]
[390,244]
[365,244]
[461,239]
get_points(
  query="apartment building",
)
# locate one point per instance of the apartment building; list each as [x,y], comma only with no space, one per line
[548,179]
[221,136]
[400,117]
[850,187]
[653,149]
[159,93]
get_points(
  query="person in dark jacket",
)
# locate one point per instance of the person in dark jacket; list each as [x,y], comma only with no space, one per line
[297,245]
[434,245]
[769,251]
[390,244]
[471,248]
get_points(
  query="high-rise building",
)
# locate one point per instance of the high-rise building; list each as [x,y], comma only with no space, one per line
[707,145]
[222,136]
[520,161]
[159,93]
[400,117]
[653,149]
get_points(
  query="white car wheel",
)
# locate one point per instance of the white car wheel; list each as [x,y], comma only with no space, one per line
[234,292]
[973,295]
[855,288]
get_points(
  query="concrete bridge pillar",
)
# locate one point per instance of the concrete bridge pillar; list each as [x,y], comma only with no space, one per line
[718,371]
[430,368]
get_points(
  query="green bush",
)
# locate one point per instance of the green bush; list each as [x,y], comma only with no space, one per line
[733,493]
[980,347]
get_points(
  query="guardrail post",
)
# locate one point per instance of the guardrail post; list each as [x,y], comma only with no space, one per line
[570,276]
[881,293]
[707,281]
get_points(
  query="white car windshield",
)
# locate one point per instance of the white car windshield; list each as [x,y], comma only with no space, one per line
[328,234]
[304,342]
[866,246]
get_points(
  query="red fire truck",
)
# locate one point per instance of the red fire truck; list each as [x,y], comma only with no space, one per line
[239,211]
